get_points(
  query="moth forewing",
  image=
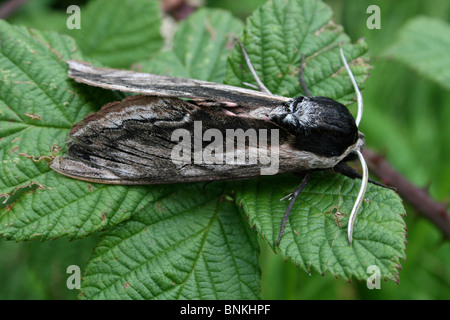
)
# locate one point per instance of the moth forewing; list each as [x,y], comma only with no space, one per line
[132,142]
[167,86]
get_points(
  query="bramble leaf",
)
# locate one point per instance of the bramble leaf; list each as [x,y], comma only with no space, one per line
[180,241]
[200,47]
[118,33]
[423,44]
[40,203]
[275,37]
[191,244]
[279,33]
[315,237]
[38,106]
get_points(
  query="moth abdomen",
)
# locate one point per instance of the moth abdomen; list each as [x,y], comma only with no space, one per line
[320,125]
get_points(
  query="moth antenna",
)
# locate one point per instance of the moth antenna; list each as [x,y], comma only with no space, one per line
[358,93]
[359,199]
[302,80]
[365,175]
[261,86]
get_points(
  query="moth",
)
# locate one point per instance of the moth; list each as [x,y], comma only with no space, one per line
[132,141]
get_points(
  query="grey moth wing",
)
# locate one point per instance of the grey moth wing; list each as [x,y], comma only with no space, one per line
[167,86]
[132,142]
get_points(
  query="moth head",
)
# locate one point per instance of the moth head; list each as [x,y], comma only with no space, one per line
[320,125]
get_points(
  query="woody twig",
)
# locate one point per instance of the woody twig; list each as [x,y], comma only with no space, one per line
[419,198]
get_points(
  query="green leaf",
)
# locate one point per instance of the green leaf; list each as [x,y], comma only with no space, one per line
[423,45]
[190,244]
[41,18]
[63,206]
[275,37]
[118,33]
[200,47]
[208,251]
[279,33]
[315,237]
[38,106]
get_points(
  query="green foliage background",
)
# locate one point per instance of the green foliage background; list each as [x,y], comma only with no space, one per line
[406,114]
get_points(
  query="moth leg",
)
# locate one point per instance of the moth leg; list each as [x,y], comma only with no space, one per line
[293,196]
[346,170]
[301,78]
[261,86]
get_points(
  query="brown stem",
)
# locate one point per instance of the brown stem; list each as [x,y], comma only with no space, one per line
[419,198]
[179,9]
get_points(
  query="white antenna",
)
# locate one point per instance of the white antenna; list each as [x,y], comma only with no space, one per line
[365,174]
[359,199]
[358,93]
